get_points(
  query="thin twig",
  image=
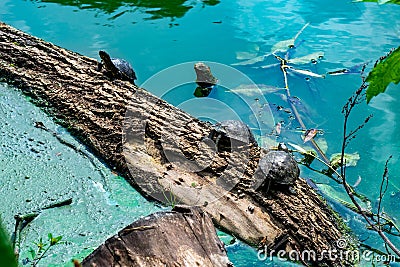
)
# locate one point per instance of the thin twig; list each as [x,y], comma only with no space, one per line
[347,108]
[284,66]
[382,190]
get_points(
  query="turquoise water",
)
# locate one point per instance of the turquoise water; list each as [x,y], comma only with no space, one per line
[156,36]
[36,171]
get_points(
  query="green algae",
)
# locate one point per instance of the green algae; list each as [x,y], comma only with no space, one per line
[36,171]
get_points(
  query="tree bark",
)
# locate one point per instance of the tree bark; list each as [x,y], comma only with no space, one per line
[146,140]
[182,237]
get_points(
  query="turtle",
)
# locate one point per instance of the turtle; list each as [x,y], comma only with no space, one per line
[279,169]
[232,132]
[117,68]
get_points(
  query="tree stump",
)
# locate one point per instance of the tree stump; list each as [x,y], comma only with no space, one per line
[94,108]
[183,237]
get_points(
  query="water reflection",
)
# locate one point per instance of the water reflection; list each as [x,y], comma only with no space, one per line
[157,9]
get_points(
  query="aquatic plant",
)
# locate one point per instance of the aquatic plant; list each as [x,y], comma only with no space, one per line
[170,198]
[385,71]
[42,248]
[376,221]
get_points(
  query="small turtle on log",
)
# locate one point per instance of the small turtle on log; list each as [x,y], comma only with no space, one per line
[117,68]
[204,79]
[231,133]
[277,168]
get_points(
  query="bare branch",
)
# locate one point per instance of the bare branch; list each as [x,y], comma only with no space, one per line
[383,189]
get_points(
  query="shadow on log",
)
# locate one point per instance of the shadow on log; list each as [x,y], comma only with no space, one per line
[182,237]
[163,151]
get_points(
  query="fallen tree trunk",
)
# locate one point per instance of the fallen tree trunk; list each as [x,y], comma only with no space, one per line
[182,237]
[102,113]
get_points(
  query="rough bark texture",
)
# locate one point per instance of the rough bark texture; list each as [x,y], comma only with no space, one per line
[94,108]
[182,237]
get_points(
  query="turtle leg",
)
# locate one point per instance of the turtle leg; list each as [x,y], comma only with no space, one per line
[106,60]
[269,184]
[99,66]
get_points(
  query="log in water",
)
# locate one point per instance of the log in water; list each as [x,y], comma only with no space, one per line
[182,237]
[163,151]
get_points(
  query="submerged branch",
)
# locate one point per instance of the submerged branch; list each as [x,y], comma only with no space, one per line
[284,66]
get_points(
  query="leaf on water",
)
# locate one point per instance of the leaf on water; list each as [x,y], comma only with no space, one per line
[385,72]
[309,157]
[250,61]
[254,90]
[251,51]
[341,197]
[306,73]
[283,46]
[322,144]
[308,153]
[270,66]
[307,59]
[349,159]
[245,55]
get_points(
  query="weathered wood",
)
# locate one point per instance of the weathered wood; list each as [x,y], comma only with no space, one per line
[158,138]
[185,237]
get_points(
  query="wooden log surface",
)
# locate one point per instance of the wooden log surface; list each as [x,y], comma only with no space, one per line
[146,140]
[182,237]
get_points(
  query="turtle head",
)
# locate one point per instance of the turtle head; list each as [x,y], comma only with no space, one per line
[103,55]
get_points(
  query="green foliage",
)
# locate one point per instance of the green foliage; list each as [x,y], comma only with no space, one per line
[349,159]
[170,198]
[384,73]
[381,1]
[7,258]
[42,248]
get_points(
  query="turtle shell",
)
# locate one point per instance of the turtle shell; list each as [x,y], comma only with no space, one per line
[234,129]
[279,167]
[124,67]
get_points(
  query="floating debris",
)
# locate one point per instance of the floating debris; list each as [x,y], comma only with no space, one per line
[305,72]
[255,89]
[309,134]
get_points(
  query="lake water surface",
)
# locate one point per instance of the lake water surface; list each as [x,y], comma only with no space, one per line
[156,36]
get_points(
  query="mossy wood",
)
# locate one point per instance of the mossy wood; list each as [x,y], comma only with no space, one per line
[69,87]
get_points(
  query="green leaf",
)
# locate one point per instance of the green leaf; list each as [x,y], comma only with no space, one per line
[309,157]
[55,240]
[384,73]
[381,1]
[349,159]
[32,253]
[6,254]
